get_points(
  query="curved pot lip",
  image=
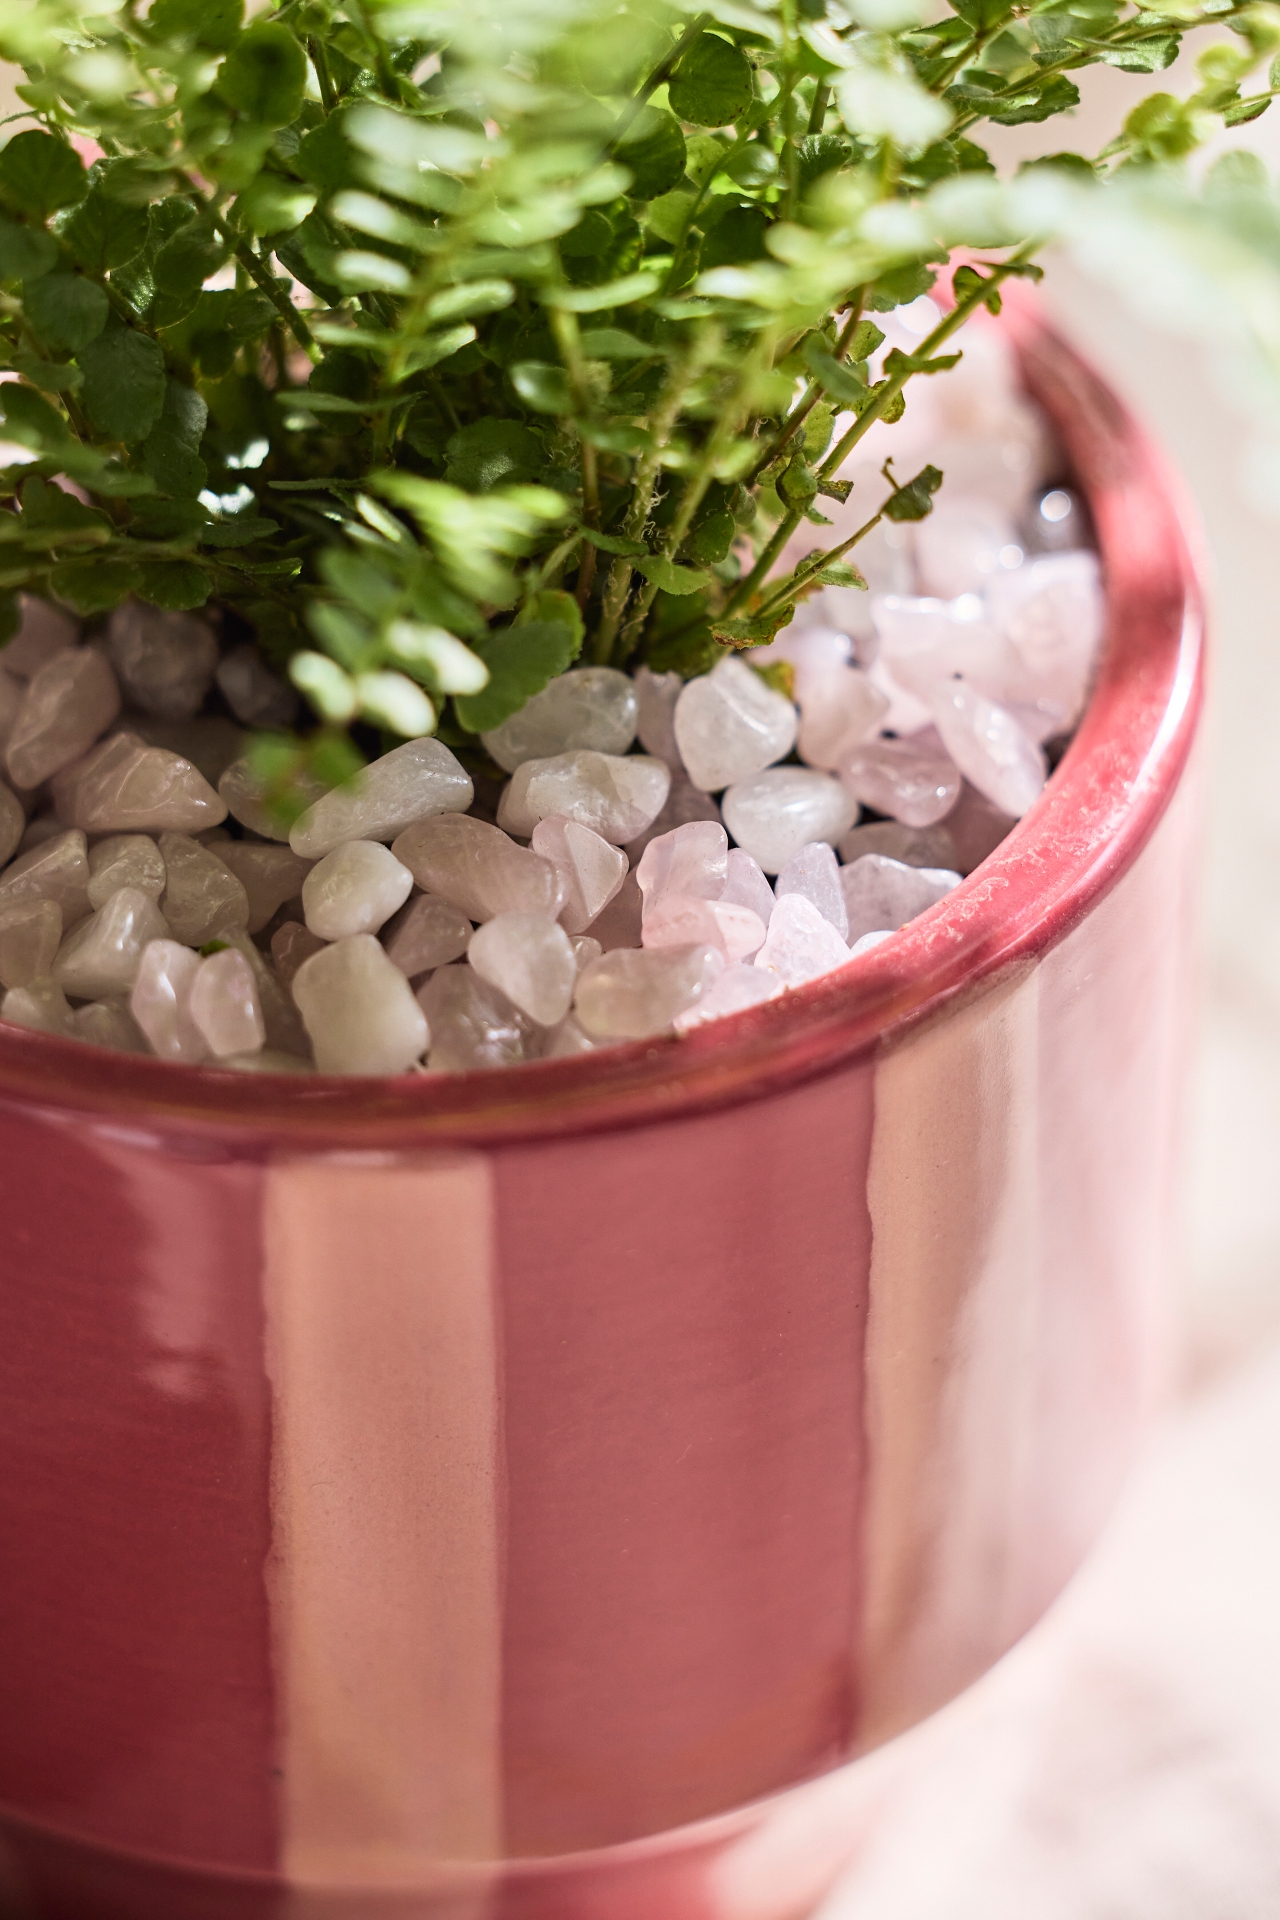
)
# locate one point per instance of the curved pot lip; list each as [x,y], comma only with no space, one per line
[1088,827]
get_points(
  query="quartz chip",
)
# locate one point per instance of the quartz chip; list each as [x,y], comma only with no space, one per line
[100,957]
[224,1005]
[690,859]
[68,703]
[634,992]
[125,860]
[746,886]
[57,869]
[43,630]
[800,943]
[729,724]
[913,846]
[775,813]
[42,1007]
[684,804]
[656,696]
[354,889]
[914,780]
[882,895]
[291,944]
[30,935]
[683,920]
[591,868]
[270,876]
[201,894]
[616,795]
[165,661]
[359,1009]
[411,783]
[109,1023]
[285,1031]
[123,786]
[160,1002]
[426,933]
[837,712]
[243,798]
[256,696]
[473,1024]
[530,960]
[591,707]
[478,868]
[737,988]
[814,872]
[990,748]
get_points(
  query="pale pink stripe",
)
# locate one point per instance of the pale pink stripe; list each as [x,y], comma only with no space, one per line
[385,1582]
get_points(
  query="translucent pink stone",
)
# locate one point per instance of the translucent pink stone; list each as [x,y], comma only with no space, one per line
[882,894]
[619,924]
[746,885]
[691,859]
[291,944]
[913,780]
[11,694]
[270,876]
[160,1002]
[777,812]
[210,742]
[656,696]
[57,869]
[359,1009]
[123,786]
[815,873]
[354,889]
[125,860]
[254,694]
[200,894]
[101,956]
[591,707]
[44,631]
[30,935]
[224,1004]
[730,724]
[242,795]
[737,988]
[682,920]
[42,1007]
[411,783]
[1052,610]
[914,846]
[165,661]
[478,868]
[975,828]
[684,803]
[800,943]
[109,1023]
[617,795]
[473,1024]
[566,1040]
[591,868]
[964,544]
[68,703]
[530,960]
[837,712]
[631,993]
[285,1031]
[990,748]
[427,933]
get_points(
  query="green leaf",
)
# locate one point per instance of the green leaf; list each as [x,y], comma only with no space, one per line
[672,579]
[1241,112]
[213,23]
[982,15]
[1143,56]
[265,75]
[898,362]
[542,386]
[821,153]
[839,574]
[521,660]
[103,233]
[653,151]
[866,338]
[185,261]
[688,651]
[237,533]
[25,252]
[899,286]
[95,586]
[171,451]
[712,84]
[10,617]
[710,538]
[176,584]
[967,280]
[39,174]
[65,312]
[614,293]
[615,543]
[51,376]
[831,376]
[124,384]
[491,453]
[326,157]
[760,630]
[915,500]
[735,239]
[555,605]
[611,343]
[46,506]
[30,420]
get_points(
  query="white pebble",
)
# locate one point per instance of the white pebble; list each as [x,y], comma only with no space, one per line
[634,992]
[683,919]
[242,795]
[585,950]
[591,707]
[691,859]
[800,943]
[924,643]
[964,543]
[30,935]
[815,873]
[870,940]
[881,894]
[123,786]
[271,876]
[165,660]
[683,805]
[11,692]
[990,748]
[109,1023]
[592,870]
[914,780]
[57,869]
[411,783]
[777,812]
[837,712]
[43,631]
[125,860]
[100,957]
[656,696]
[478,868]
[68,703]
[210,742]
[201,894]
[224,1004]
[425,934]
[160,1002]
[12,823]
[729,724]
[736,989]
[473,1024]
[566,1040]
[291,944]
[254,694]
[285,1031]
[746,886]
[616,795]
[619,924]
[359,1009]
[354,889]
[41,1007]
[530,960]
[1052,610]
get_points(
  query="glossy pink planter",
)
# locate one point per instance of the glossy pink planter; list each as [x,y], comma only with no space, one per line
[470,1500]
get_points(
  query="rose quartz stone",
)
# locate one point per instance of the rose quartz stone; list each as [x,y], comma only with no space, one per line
[68,703]
[123,786]
[224,1004]
[479,868]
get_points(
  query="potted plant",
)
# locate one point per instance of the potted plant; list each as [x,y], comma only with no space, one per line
[481,1490]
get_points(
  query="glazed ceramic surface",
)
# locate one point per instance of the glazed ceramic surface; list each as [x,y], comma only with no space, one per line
[472,1499]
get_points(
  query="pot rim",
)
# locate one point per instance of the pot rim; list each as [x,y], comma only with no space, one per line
[1093,819]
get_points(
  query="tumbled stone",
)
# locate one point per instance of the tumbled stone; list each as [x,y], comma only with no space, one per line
[869,940]
[925,643]
[293,943]
[530,960]
[165,661]
[354,889]
[359,1009]
[800,944]
[30,935]
[200,894]
[41,827]
[473,1024]
[684,803]
[634,992]
[478,868]
[906,712]
[125,860]
[285,1030]
[837,713]
[592,870]
[160,1002]
[745,885]
[617,796]
[426,933]
[100,957]
[254,694]
[775,813]
[815,873]
[123,786]
[242,795]
[68,704]
[656,696]
[12,823]
[271,876]
[691,859]
[914,846]
[585,950]
[224,1004]
[268,1060]
[591,707]
[990,748]
[913,780]
[683,920]
[566,1040]
[109,1023]
[736,989]
[44,630]
[965,542]
[11,697]
[210,742]
[729,725]
[41,1006]
[1052,610]
[619,924]
[882,895]
[411,783]
[57,869]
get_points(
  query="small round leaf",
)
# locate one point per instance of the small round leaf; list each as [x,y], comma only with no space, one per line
[65,312]
[712,84]
[653,151]
[265,75]
[39,174]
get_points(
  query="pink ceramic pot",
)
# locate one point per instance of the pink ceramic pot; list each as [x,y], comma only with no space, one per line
[474,1498]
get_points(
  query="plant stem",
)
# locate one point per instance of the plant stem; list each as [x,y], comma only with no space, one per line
[663,71]
[811,396]
[818,111]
